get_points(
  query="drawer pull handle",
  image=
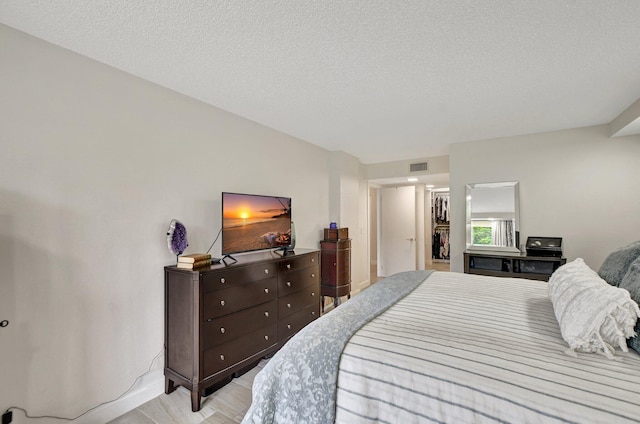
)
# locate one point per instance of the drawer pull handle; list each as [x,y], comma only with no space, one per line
[288,266]
[313,275]
[222,303]
[288,326]
[222,357]
[266,314]
[313,259]
[266,337]
[266,271]
[289,305]
[313,312]
[313,293]
[210,319]
[288,283]
[334,264]
[266,290]
[222,280]
[222,330]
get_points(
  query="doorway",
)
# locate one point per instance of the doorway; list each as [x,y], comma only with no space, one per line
[397,231]
[424,230]
[373,234]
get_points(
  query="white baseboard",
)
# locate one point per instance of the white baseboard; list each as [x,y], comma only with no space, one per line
[150,386]
[363,285]
[355,289]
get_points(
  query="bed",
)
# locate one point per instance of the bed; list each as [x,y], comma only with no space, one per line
[441,347]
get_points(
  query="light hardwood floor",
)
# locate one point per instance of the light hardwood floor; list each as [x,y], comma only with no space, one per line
[439,266]
[225,406]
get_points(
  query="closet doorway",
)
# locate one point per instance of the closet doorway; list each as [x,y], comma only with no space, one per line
[440,228]
[424,187]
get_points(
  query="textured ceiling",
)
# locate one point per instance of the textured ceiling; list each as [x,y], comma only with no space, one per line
[381,80]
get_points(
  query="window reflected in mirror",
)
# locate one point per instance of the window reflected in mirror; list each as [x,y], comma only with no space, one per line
[492,216]
[481,232]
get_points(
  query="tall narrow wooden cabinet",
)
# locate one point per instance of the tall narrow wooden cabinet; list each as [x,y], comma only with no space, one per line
[221,320]
[336,265]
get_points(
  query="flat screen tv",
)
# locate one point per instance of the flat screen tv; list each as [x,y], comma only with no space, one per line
[255,222]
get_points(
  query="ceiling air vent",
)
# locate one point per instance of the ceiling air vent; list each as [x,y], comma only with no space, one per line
[416,167]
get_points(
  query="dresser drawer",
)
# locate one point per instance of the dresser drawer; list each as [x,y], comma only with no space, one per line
[219,280]
[222,330]
[290,282]
[298,301]
[290,325]
[222,302]
[295,263]
[229,354]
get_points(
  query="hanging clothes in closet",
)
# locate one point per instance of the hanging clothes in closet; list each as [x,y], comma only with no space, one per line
[440,218]
[440,246]
[441,208]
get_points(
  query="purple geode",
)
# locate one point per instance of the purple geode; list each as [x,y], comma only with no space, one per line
[177,237]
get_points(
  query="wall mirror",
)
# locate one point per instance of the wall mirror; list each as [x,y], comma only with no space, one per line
[492,217]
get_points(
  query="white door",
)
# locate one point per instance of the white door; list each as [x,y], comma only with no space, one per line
[397,247]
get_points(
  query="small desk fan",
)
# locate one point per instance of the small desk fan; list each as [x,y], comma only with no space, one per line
[177,237]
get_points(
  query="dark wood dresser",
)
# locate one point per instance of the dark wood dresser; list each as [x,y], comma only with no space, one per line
[221,320]
[336,266]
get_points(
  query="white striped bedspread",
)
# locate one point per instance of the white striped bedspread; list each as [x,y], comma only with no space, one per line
[465,348]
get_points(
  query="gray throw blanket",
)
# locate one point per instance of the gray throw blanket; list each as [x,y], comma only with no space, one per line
[298,385]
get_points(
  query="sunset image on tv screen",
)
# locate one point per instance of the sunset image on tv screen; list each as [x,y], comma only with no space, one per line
[254,222]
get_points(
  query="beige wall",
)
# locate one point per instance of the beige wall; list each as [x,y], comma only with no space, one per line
[94,165]
[349,208]
[577,184]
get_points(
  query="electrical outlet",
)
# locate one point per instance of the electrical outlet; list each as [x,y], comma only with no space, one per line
[7,417]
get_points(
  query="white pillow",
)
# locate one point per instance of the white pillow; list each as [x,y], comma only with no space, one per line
[593,315]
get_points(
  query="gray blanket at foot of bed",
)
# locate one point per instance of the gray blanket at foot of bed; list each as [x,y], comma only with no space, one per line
[298,385]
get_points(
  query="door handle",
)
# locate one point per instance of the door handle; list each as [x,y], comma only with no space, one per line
[410,239]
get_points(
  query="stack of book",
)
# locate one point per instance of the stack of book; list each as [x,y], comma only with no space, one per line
[194,261]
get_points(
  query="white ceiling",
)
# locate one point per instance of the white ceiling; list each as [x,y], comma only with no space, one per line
[382,80]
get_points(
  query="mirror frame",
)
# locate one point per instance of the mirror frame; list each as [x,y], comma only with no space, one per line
[516,224]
